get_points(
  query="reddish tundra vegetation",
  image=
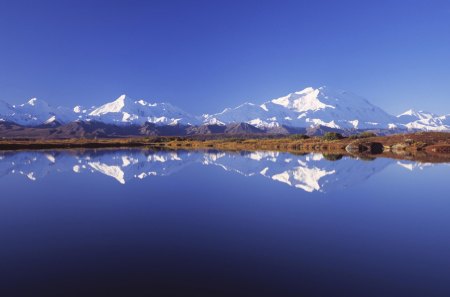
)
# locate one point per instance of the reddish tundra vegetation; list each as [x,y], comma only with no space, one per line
[421,146]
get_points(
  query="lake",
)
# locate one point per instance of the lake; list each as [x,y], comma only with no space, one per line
[209,223]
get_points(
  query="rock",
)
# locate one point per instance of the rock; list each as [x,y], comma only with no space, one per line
[355,148]
[399,147]
[369,147]
[376,147]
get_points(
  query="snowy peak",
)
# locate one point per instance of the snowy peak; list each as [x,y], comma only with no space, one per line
[79,109]
[122,111]
[309,108]
[304,100]
[32,101]
[409,112]
[115,106]
[422,120]
[416,115]
[125,110]
[243,113]
[37,112]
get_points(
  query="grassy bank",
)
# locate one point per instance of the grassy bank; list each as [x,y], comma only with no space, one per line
[424,145]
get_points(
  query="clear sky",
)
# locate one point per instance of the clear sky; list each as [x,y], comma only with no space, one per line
[204,56]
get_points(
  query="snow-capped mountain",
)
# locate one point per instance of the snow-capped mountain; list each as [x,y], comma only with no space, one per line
[124,110]
[422,120]
[308,108]
[121,111]
[324,106]
[38,112]
[34,112]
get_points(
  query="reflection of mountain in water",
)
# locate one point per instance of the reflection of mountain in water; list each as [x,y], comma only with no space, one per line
[121,165]
[310,173]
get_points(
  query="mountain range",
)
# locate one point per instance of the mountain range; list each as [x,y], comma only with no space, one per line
[311,110]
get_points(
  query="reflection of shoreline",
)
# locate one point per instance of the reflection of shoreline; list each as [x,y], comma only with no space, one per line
[312,172]
[425,147]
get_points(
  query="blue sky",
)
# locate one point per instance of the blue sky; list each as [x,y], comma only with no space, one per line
[204,56]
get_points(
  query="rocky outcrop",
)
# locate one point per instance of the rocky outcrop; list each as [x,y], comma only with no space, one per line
[365,147]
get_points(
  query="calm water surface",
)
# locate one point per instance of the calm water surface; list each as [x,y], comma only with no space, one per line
[144,223]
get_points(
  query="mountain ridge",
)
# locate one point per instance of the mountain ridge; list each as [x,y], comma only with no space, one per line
[310,108]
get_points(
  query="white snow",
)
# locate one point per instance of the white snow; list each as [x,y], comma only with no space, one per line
[31,102]
[124,110]
[304,100]
[354,123]
[50,120]
[115,106]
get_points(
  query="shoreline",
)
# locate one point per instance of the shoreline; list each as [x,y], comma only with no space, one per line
[422,146]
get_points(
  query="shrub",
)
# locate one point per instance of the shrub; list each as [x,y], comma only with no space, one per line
[362,135]
[332,136]
[366,135]
[232,139]
[298,136]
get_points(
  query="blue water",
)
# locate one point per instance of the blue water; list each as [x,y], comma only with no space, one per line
[143,223]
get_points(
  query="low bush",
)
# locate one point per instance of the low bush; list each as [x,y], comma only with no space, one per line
[298,136]
[362,135]
[332,136]
[366,135]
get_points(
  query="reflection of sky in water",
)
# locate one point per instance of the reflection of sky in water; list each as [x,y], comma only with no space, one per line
[312,172]
[119,223]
